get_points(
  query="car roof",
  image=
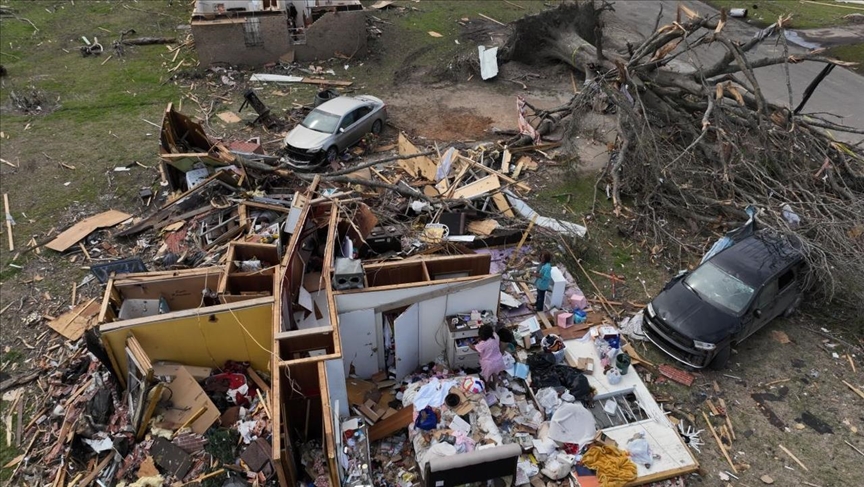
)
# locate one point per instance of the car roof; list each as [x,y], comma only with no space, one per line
[341,105]
[757,258]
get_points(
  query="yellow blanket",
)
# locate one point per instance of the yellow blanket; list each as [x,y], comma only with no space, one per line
[614,467]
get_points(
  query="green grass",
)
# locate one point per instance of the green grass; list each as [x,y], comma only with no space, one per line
[409,30]
[804,15]
[604,249]
[853,53]
[93,108]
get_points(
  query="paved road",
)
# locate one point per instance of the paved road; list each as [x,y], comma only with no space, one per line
[841,93]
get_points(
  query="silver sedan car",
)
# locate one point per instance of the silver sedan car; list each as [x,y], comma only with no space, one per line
[331,128]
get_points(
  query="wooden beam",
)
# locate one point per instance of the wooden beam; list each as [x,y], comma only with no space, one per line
[391,424]
[720,443]
[500,175]
[8,222]
[318,330]
[522,241]
[785,450]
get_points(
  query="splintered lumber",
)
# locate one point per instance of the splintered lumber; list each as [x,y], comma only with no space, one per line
[503,206]
[85,227]
[726,414]
[785,450]
[8,222]
[391,424]
[153,398]
[420,166]
[853,447]
[483,227]
[197,414]
[522,242]
[490,19]
[99,468]
[74,323]
[500,175]
[477,188]
[505,162]
[720,443]
[854,389]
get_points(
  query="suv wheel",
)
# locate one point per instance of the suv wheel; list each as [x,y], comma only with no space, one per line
[793,307]
[721,359]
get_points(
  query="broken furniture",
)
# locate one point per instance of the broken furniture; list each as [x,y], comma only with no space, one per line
[461,333]
[627,408]
[250,270]
[183,143]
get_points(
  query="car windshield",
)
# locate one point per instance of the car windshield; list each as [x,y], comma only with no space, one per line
[714,285]
[321,121]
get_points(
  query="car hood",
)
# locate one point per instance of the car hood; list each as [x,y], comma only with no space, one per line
[302,138]
[687,313]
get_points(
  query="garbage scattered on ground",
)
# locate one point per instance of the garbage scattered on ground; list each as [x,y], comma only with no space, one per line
[219,350]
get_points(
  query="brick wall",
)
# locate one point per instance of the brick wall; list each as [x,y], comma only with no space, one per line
[225,40]
[343,32]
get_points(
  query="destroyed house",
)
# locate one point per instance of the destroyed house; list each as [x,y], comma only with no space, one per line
[256,32]
[316,315]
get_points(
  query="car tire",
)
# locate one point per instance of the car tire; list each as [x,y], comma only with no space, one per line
[377,127]
[793,307]
[720,360]
[332,154]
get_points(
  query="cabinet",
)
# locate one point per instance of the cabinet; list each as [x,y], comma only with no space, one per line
[461,332]
[555,297]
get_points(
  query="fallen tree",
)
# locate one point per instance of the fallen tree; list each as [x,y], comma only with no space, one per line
[699,143]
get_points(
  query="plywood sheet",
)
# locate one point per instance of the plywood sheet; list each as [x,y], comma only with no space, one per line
[86,226]
[187,397]
[502,205]
[72,324]
[483,227]
[420,166]
[478,188]
[206,337]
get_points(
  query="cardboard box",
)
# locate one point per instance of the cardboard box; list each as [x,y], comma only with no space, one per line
[585,364]
[602,439]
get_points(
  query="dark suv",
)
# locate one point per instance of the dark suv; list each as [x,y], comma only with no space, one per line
[701,315]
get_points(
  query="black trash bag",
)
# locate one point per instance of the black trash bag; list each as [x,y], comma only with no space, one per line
[541,361]
[101,407]
[575,382]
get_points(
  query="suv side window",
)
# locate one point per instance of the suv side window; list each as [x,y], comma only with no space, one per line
[786,279]
[767,296]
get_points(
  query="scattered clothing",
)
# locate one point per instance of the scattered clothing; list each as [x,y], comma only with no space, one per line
[614,467]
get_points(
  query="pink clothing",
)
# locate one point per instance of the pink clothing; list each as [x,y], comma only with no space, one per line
[491,360]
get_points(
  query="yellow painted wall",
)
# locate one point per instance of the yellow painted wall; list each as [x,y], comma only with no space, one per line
[198,340]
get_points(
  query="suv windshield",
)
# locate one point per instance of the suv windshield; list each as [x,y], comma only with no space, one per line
[321,122]
[714,285]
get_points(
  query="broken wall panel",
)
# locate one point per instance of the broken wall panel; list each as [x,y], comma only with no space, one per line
[250,270]
[307,414]
[180,290]
[675,456]
[332,34]
[206,337]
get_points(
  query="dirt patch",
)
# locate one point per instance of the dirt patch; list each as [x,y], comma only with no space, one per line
[448,111]
[446,123]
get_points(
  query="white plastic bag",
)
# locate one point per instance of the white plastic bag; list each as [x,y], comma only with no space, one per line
[640,451]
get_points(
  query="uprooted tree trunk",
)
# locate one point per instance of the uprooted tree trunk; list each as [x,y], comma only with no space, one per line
[699,144]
